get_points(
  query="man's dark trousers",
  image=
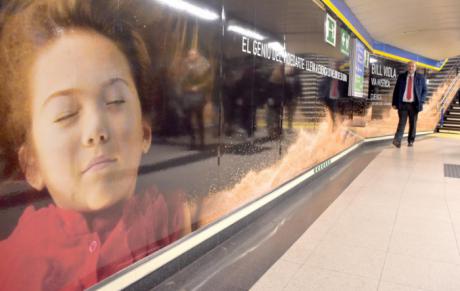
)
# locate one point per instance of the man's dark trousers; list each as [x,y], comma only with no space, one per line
[407,110]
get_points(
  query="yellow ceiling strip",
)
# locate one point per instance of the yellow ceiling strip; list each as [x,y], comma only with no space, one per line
[342,17]
[347,23]
[405,60]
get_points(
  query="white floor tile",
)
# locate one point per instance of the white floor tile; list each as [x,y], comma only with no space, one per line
[419,273]
[359,236]
[385,286]
[315,279]
[426,247]
[424,226]
[351,260]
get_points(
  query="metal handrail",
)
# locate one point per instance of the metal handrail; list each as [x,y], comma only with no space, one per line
[447,94]
[452,76]
[443,102]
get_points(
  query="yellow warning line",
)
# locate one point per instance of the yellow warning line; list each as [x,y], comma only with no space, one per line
[453,134]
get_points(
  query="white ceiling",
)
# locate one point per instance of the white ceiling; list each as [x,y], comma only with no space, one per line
[430,28]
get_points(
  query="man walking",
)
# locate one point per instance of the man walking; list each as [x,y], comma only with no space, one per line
[408,97]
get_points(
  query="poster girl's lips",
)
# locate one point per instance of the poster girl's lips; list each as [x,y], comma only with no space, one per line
[99,163]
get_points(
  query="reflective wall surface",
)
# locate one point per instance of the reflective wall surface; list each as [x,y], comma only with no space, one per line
[130,124]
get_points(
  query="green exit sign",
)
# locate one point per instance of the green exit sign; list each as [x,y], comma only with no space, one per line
[330,30]
[344,42]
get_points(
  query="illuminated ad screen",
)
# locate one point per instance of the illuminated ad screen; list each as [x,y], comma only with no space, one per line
[356,88]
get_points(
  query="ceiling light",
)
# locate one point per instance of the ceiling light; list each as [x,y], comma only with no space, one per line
[190,8]
[246,32]
[276,46]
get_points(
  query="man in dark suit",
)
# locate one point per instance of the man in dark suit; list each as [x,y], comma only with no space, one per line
[408,98]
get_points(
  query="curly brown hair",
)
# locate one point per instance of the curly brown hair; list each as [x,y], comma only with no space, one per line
[29,25]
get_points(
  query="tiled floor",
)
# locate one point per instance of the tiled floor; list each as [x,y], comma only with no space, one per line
[396,227]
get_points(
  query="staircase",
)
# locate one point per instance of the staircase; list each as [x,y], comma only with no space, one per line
[450,115]
[451,119]
[436,79]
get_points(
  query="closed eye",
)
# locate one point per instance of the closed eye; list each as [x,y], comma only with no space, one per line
[116,102]
[65,117]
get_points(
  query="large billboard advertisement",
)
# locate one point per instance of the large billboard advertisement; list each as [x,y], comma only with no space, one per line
[127,125]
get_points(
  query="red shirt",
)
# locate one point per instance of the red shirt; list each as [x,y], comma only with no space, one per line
[53,248]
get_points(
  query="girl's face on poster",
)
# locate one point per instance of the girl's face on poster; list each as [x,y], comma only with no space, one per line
[87,130]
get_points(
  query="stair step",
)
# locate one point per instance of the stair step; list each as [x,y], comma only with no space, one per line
[451,119]
[448,130]
[450,124]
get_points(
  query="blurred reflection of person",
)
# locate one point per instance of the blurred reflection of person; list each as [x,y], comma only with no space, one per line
[77,92]
[331,91]
[170,120]
[229,90]
[195,84]
[244,104]
[293,89]
[275,95]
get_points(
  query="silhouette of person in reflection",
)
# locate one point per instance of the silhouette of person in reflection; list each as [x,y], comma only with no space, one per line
[230,89]
[195,85]
[330,92]
[275,95]
[245,99]
[293,90]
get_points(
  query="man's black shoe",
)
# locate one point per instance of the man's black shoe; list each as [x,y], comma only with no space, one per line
[396,144]
[410,144]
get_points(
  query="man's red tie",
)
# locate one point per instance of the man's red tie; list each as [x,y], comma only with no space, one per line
[409,89]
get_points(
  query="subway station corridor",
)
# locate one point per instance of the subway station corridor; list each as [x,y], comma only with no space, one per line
[395,227]
[230,145]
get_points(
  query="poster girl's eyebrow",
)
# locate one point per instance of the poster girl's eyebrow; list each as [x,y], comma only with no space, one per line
[116,80]
[61,93]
